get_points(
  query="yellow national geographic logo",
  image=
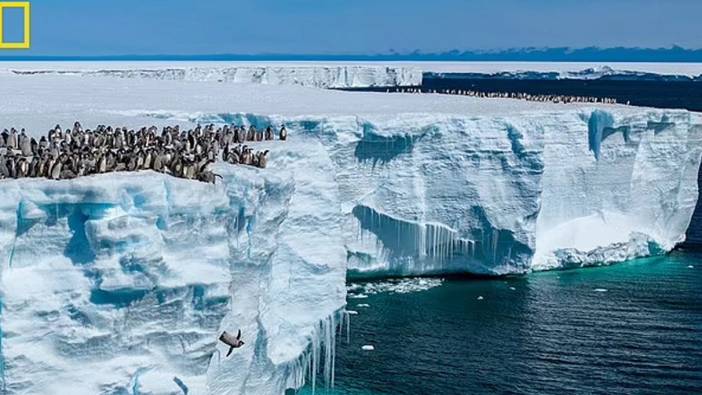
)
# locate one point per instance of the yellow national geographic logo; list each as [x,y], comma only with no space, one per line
[24,5]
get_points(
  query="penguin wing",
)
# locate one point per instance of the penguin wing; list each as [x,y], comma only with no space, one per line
[238,335]
[230,350]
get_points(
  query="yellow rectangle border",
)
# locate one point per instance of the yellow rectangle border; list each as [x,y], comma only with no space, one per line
[24,5]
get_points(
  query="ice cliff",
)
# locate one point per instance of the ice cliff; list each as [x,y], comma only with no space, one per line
[121,283]
[318,76]
[494,195]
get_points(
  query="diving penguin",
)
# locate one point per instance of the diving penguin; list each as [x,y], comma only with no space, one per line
[231,341]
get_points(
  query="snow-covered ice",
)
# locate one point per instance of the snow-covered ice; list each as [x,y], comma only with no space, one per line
[319,75]
[120,283]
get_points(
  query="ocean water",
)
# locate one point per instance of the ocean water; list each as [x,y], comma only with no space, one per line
[629,328]
[650,93]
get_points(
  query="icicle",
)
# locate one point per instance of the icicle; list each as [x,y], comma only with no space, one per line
[495,236]
[312,361]
[348,328]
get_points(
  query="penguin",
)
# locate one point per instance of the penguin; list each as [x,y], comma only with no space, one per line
[269,133]
[67,174]
[45,169]
[231,341]
[158,163]
[56,170]
[131,162]
[148,160]
[189,171]
[4,171]
[12,142]
[140,159]
[43,143]
[34,167]
[202,164]
[251,136]
[22,168]
[34,145]
[11,167]
[4,137]
[283,133]
[263,159]
[102,164]
[25,144]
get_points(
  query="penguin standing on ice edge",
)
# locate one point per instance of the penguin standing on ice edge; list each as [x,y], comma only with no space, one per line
[231,341]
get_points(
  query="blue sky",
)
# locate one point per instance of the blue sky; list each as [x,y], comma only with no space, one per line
[106,27]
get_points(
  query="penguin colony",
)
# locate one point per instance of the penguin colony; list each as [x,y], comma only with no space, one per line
[70,153]
[512,95]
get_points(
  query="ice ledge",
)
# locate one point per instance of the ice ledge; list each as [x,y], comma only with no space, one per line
[137,274]
[329,76]
[166,264]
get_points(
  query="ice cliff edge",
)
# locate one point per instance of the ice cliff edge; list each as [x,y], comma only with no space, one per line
[121,283]
[135,275]
[309,75]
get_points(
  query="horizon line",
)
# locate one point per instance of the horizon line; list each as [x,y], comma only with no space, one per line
[565,54]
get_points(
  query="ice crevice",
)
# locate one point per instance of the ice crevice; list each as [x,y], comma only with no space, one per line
[136,275]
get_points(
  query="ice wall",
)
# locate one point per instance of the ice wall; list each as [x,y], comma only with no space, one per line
[506,194]
[318,76]
[121,283]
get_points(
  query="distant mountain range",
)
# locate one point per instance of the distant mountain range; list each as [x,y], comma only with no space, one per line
[561,54]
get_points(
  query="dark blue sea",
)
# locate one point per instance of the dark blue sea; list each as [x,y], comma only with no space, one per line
[630,328]
[661,92]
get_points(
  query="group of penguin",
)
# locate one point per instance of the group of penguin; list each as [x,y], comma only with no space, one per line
[553,98]
[70,153]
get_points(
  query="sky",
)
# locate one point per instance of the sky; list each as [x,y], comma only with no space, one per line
[192,27]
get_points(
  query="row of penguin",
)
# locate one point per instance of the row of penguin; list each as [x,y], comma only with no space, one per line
[74,152]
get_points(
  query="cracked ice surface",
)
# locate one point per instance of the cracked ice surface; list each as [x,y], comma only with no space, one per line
[121,283]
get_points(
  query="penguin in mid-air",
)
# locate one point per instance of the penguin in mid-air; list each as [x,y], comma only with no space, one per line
[231,341]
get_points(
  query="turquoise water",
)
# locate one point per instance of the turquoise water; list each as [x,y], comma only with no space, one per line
[630,328]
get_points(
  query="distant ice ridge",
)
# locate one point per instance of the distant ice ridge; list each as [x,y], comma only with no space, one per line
[328,76]
[603,73]
[568,70]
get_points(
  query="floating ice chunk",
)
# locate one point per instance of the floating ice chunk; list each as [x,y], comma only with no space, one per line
[352,312]
[363,305]
[359,296]
[399,286]
[600,290]
[690,267]
[512,288]
[367,347]
[480,298]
